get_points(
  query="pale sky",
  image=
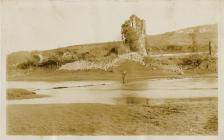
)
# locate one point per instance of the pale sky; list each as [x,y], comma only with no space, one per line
[47,24]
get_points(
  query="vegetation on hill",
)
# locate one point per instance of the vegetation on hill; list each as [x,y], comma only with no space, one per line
[106,56]
[183,40]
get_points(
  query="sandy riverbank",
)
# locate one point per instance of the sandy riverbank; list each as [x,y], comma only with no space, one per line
[56,76]
[177,117]
[17,94]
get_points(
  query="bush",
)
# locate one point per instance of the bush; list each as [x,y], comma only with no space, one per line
[192,61]
[195,61]
[26,65]
[173,48]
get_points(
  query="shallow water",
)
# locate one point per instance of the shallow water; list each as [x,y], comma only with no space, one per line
[111,92]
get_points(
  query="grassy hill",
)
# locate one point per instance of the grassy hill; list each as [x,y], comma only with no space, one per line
[170,42]
[181,40]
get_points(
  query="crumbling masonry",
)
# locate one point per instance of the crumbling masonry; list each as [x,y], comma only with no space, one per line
[136,34]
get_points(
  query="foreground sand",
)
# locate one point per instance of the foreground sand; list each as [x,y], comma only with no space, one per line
[174,117]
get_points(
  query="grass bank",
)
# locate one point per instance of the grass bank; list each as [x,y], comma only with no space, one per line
[177,117]
[63,75]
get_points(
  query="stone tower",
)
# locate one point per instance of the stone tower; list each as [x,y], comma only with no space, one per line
[137,29]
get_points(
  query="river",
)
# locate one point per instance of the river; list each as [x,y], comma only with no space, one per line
[109,92]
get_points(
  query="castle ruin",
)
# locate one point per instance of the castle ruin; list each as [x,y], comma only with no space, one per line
[133,34]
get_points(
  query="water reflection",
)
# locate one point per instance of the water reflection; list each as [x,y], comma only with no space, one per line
[112,92]
[133,100]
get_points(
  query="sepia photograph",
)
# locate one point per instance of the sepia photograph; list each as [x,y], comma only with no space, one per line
[117,67]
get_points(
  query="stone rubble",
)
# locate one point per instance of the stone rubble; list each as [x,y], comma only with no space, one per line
[88,65]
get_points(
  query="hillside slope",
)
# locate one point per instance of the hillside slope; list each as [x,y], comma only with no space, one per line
[170,42]
[181,40]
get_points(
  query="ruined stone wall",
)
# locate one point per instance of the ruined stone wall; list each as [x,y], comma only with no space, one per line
[137,25]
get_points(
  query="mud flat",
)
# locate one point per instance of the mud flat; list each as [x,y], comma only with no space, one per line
[18,94]
[174,117]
